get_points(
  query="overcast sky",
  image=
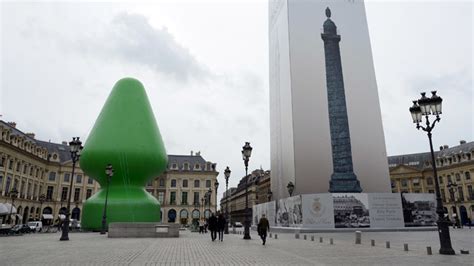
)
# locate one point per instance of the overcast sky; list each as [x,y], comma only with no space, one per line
[204,65]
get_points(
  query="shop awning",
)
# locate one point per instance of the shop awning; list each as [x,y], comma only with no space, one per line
[48,216]
[5,209]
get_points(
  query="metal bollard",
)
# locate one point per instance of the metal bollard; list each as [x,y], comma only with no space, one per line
[387,244]
[428,251]
[358,235]
[276,236]
[320,240]
[372,242]
[297,236]
[405,247]
[331,242]
[312,238]
[304,237]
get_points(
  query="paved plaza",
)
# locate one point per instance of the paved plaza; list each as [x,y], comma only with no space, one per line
[196,249]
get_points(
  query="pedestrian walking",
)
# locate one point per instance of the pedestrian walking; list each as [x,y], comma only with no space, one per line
[221,226]
[262,228]
[213,226]
[201,226]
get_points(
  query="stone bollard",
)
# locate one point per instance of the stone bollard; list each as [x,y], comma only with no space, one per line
[304,237]
[465,252]
[297,236]
[276,236]
[312,238]
[428,251]
[331,242]
[320,240]
[387,244]
[405,247]
[358,235]
[372,242]
[270,235]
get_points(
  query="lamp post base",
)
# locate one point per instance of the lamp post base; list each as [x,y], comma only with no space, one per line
[226,228]
[247,230]
[444,238]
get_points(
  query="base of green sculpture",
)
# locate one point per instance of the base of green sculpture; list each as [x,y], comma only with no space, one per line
[124,204]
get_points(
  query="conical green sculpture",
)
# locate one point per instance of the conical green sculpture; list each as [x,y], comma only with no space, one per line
[125,135]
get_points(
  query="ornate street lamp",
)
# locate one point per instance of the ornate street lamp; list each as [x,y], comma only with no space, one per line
[425,107]
[42,198]
[291,188]
[246,153]
[76,148]
[216,185]
[227,175]
[269,195]
[13,196]
[109,171]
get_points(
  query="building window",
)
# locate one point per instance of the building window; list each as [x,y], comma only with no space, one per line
[208,183]
[52,176]
[162,182]
[150,183]
[431,191]
[10,165]
[184,198]
[24,169]
[161,197]
[172,197]
[18,165]
[458,177]
[440,179]
[196,198]
[173,182]
[470,192]
[77,194]
[443,196]
[429,181]
[90,181]
[78,179]
[186,166]
[64,194]
[2,161]
[67,177]
[196,183]
[49,193]
[185,183]
[1,182]
[31,171]
[403,181]
[461,194]
[393,184]
[449,179]
[174,166]
[197,166]
[467,175]
[416,182]
[88,193]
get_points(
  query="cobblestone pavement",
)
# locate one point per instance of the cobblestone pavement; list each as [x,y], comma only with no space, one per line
[195,249]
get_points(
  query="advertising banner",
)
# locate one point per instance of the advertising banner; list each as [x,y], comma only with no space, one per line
[318,211]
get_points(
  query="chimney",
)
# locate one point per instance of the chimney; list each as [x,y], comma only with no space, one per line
[12,124]
[198,153]
[64,142]
[192,153]
[445,147]
[461,142]
[440,148]
[31,135]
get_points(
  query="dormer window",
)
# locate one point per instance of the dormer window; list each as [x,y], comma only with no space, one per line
[174,166]
[197,167]
[186,166]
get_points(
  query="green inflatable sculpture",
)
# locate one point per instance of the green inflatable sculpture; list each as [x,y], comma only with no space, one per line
[125,135]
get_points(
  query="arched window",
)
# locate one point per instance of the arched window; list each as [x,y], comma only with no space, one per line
[76,213]
[467,175]
[171,216]
[196,214]
[183,214]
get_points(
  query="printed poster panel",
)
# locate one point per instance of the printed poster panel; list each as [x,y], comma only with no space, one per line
[289,212]
[385,210]
[318,211]
[351,210]
[268,209]
[419,209]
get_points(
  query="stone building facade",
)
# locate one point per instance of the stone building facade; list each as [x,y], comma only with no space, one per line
[412,173]
[35,168]
[259,184]
[181,189]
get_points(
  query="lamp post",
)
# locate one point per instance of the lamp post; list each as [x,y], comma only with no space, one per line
[227,175]
[425,107]
[203,208]
[76,147]
[109,171]
[216,185]
[209,195]
[42,198]
[291,188]
[269,195]
[13,196]
[246,153]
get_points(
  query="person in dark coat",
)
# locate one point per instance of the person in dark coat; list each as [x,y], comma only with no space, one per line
[262,228]
[213,226]
[221,226]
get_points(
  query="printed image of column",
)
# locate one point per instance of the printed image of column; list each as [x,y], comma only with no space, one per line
[343,178]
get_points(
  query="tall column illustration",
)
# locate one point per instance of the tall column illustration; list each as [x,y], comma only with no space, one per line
[343,178]
[125,135]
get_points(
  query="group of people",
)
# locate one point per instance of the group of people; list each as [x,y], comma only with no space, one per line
[216,224]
